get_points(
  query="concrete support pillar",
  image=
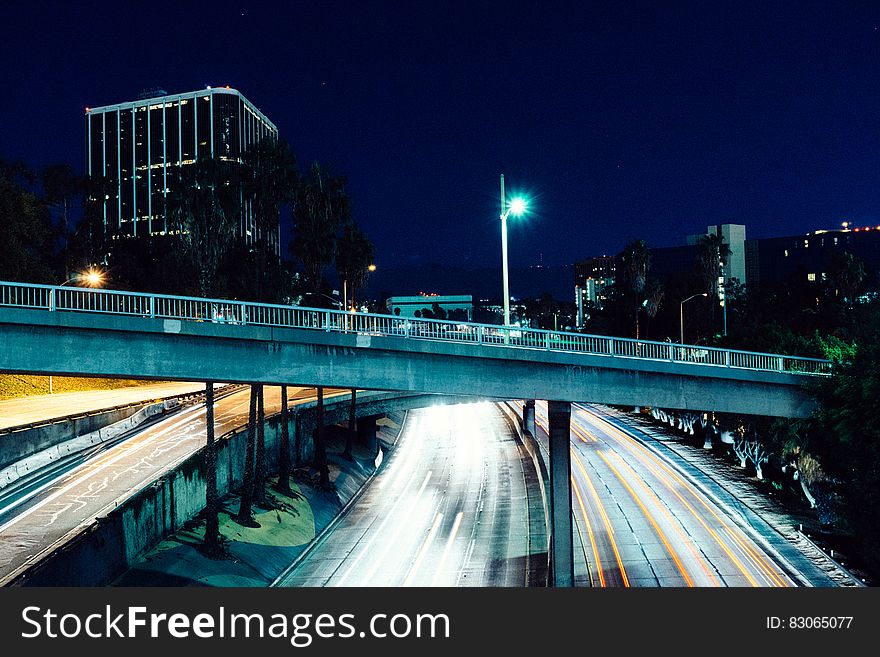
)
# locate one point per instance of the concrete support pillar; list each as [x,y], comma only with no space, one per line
[561,548]
[528,419]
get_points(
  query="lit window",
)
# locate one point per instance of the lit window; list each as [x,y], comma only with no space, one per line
[786,253]
[806,244]
[811,277]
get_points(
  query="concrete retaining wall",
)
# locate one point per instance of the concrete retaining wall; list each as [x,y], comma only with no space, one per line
[65,449]
[23,442]
[111,545]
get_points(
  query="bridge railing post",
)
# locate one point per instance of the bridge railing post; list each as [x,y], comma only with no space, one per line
[727,358]
[242,314]
[152,306]
[479,335]
[51,300]
[779,364]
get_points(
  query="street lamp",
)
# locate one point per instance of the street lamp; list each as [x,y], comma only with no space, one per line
[370,268]
[92,278]
[517,207]
[681,311]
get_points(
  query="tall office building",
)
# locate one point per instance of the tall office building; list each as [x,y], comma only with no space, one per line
[139,148]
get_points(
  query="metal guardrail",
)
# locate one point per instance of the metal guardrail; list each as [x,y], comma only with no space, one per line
[224,311]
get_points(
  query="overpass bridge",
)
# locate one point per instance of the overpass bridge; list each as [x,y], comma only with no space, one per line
[81,331]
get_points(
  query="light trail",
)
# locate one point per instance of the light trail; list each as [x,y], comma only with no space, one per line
[642,453]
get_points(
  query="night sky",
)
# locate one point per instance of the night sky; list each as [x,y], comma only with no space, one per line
[619,121]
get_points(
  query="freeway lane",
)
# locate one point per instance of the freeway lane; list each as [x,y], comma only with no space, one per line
[449,508]
[91,489]
[642,523]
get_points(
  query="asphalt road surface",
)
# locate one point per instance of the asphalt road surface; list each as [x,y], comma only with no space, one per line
[641,522]
[34,519]
[449,508]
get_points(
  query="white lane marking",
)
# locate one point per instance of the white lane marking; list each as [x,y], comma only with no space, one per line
[78,480]
[366,548]
[125,446]
[455,525]
[421,555]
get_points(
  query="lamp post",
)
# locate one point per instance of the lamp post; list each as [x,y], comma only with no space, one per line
[92,278]
[681,311]
[370,268]
[517,207]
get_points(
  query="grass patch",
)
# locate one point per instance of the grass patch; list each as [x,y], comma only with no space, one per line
[25,385]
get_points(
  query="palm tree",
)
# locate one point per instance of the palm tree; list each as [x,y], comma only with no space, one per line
[283,485]
[321,207]
[212,507]
[204,208]
[354,255]
[320,461]
[260,452]
[655,294]
[713,254]
[245,515]
[269,180]
[846,273]
[61,185]
[635,260]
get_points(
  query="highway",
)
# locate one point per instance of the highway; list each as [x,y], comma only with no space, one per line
[449,508]
[641,522]
[35,517]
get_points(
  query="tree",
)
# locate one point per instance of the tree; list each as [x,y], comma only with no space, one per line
[245,515]
[27,243]
[260,451]
[654,297]
[635,260]
[846,274]
[713,254]
[60,186]
[212,507]
[321,207]
[204,207]
[268,180]
[320,459]
[88,244]
[352,428]
[283,485]
[354,255]
[846,438]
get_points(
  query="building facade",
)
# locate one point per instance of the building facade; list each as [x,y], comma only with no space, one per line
[591,278]
[808,257]
[138,148]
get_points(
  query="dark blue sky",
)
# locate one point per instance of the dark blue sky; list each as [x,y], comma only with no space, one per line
[622,121]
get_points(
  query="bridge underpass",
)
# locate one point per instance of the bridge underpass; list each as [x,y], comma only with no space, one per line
[50,330]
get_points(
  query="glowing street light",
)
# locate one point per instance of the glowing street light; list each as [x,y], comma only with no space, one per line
[517,208]
[92,278]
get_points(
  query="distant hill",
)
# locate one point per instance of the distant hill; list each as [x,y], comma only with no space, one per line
[484,283]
